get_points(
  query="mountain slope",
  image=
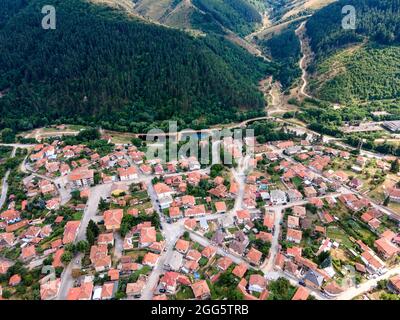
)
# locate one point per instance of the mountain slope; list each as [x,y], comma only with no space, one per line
[239,16]
[101,66]
[360,64]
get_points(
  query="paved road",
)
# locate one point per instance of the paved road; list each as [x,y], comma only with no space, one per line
[172,233]
[270,262]
[17,145]
[60,182]
[67,281]
[97,192]
[205,242]
[366,286]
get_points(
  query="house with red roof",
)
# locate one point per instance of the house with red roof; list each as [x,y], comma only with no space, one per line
[254,256]
[113,219]
[50,289]
[301,294]
[71,231]
[150,259]
[201,290]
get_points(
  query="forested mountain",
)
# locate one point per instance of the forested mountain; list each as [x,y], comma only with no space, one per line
[102,67]
[376,20]
[9,8]
[360,64]
[285,49]
[239,16]
[236,15]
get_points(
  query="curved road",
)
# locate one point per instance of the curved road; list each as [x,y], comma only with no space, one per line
[300,32]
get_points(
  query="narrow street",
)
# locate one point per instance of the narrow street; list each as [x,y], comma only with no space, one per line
[366,286]
[205,242]
[97,192]
[273,251]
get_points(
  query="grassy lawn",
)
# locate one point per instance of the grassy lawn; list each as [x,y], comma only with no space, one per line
[297,182]
[77,215]
[339,235]
[394,206]
[141,195]
[197,246]
[75,127]
[136,253]
[143,206]
[184,293]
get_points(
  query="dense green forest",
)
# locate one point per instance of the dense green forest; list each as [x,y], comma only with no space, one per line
[360,64]
[100,67]
[9,8]
[378,20]
[267,130]
[236,15]
[285,49]
[369,73]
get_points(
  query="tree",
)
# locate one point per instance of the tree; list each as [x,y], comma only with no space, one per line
[322,257]
[395,166]
[137,142]
[92,231]
[75,194]
[82,246]
[103,205]
[6,294]
[70,247]
[281,289]
[8,135]
[386,202]
[186,235]
[88,135]
[66,257]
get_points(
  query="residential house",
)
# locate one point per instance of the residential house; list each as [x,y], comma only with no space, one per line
[50,289]
[243,216]
[254,256]
[299,211]
[127,174]
[150,259]
[386,248]
[113,219]
[294,195]
[81,177]
[148,235]
[294,235]
[182,246]
[71,231]
[257,283]
[278,197]
[201,290]
[224,263]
